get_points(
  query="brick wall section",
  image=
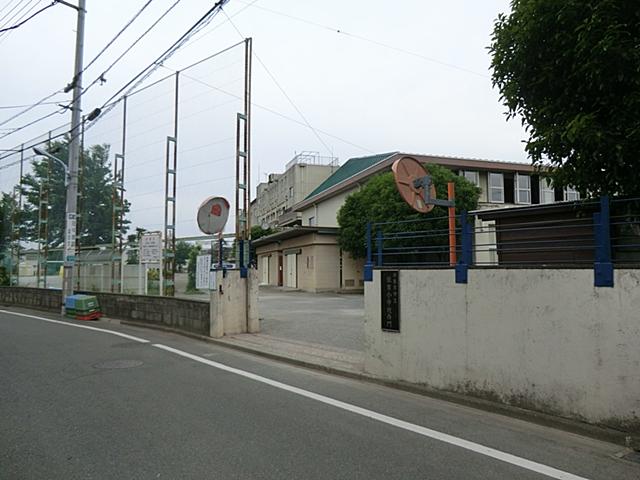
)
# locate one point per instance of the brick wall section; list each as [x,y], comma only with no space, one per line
[188,315]
[36,298]
[181,314]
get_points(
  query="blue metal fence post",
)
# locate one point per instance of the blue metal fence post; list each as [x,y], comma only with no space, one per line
[462,267]
[379,247]
[243,267]
[602,267]
[368,265]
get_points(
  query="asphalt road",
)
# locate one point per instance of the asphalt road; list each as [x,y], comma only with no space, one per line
[84,404]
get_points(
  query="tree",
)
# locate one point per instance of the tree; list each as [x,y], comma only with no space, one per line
[258,232]
[191,268]
[6,206]
[183,249]
[379,201]
[133,240]
[571,70]
[96,197]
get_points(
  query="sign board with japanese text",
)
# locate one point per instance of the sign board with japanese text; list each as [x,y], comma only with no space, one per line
[70,239]
[203,278]
[390,296]
[151,247]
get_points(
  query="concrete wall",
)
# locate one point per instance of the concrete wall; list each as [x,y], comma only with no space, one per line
[181,314]
[188,315]
[234,304]
[546,340]
[352,272]
[37,298]
[318,262]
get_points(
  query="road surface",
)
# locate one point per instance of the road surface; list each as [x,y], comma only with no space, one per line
[116,402]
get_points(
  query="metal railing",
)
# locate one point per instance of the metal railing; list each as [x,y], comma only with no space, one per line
[599,233]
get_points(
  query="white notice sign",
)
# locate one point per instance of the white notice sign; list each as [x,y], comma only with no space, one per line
[203,265]
[151,247]
[70,239]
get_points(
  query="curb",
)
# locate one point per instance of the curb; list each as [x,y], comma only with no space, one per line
[602,433]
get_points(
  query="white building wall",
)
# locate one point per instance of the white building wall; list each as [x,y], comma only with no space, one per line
[325,213]
[541,339]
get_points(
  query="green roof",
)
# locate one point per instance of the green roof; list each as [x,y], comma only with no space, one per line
[348,170]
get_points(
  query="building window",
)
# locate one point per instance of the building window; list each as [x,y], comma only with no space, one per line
[312,221]
[547,192]
[523,188]
[496,188]
[473,177]
[571,194]
[290,193]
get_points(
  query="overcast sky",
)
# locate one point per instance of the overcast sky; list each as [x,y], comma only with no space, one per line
[426,91]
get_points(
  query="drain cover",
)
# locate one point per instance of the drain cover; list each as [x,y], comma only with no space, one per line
[633,456]
[111,364]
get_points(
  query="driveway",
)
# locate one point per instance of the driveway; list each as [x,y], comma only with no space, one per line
[326,319]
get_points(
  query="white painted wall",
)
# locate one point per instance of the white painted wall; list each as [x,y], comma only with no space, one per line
[234,304]
[541,339]
[325,213]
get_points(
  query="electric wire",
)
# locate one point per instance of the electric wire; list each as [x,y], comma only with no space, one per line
[152,67]
[10,107]
[7,4]
[70,104]
[36,141]
[275,112]
[6,18]
[117,35]
[368,40]
[22,22]
[136,41]
[304,119]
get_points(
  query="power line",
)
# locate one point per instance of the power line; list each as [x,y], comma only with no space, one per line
[117,35]
[7,4]
[102,75]
[17,25]
[15,14]
[29,108]
[18,16]
[69,105]
[153,66]
[368,40]
[9,107]
[36,141]
[30,124]
[304,119]
[275,112]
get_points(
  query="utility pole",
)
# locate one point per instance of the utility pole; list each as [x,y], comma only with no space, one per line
[69,255]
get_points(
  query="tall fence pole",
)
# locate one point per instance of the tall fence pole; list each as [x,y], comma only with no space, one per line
[451,196]
[602,267]
[379,259]
[368,265]
[466,259]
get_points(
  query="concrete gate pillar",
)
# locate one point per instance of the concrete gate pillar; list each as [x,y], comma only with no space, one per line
[234,303]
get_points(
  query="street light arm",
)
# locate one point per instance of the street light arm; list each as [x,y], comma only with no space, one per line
[42,153]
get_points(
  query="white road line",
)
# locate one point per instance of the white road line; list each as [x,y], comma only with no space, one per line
[86,327]
[427,432]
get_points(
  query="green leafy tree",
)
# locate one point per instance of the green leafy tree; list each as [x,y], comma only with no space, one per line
[258,232]
[6,206]
[183,249]
[571,70]
[96,197]
[379,201]
[133,240]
